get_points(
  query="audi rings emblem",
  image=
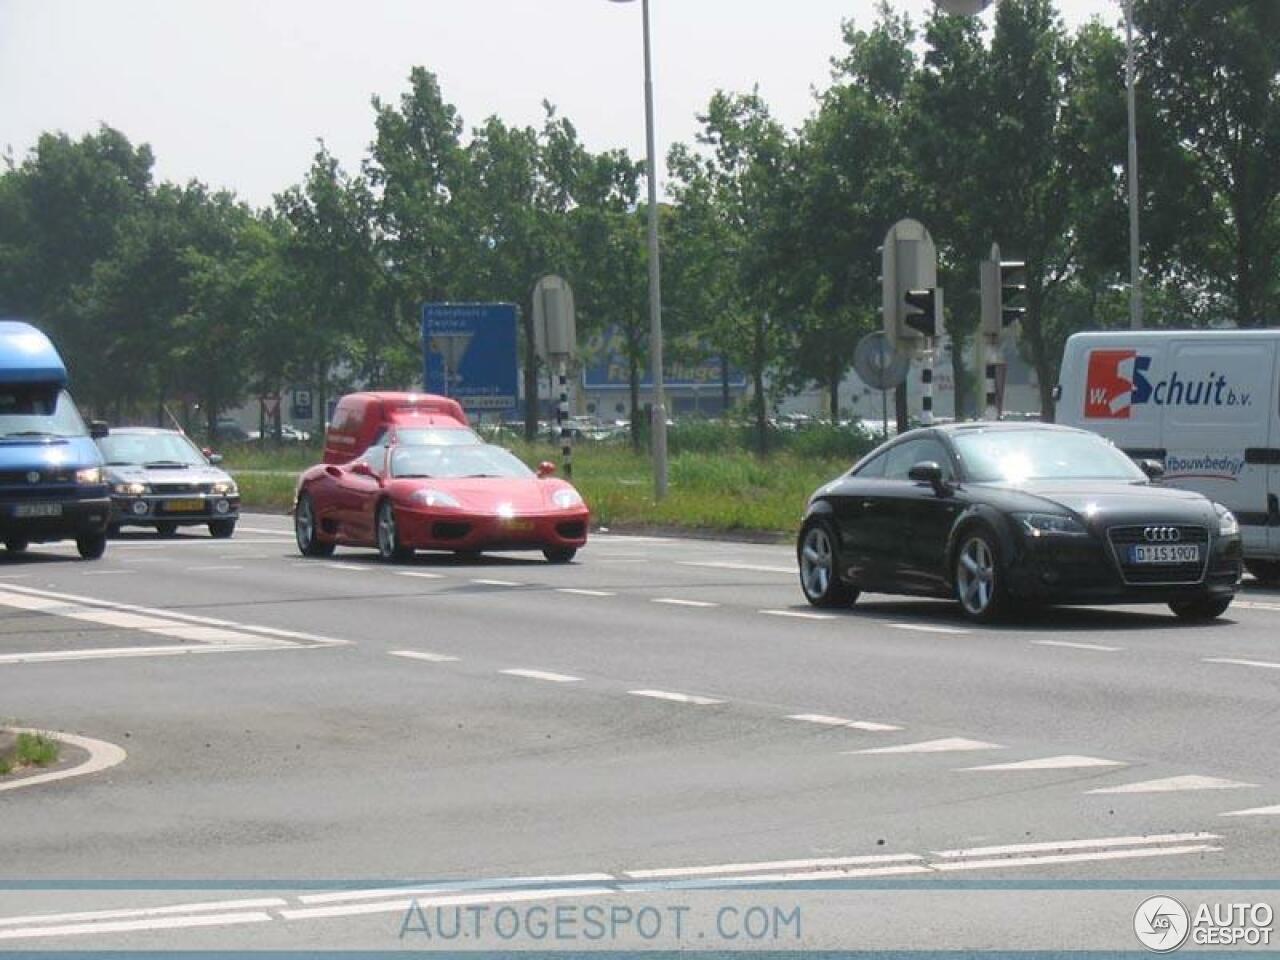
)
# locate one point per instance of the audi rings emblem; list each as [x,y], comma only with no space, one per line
[1161,534]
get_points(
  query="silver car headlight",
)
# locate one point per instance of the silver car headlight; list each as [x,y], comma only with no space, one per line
[1228,525]
[131,488]
[566,498]
[1049,525]
[89,475]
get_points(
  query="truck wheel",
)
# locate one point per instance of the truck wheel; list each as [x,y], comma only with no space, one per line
[92,545]
[16,544]
[1267,571]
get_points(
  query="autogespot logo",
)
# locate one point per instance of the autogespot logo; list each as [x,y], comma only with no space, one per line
[1162,924]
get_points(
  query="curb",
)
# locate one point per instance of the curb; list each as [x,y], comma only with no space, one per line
[102,756]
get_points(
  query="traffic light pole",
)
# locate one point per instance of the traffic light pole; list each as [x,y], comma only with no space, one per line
[926,383]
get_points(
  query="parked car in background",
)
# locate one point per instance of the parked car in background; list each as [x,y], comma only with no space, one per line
[289,434]
[465,498]
[229,430]
[997,514]
[159,479]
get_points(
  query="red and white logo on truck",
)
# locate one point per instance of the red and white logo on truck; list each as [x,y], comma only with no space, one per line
[1119,380]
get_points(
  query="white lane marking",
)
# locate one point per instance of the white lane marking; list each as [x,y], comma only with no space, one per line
[865,725]
[1265,664]
[360,567]
[223,566]
[1095,843]
[676,697]
[1254,812]
[401,905]
[129,926]
[945,745]
[541,675]
[1067,762]
[1075,857]
[624,538]
[804,876]
[1072,645]
[423,655]
[927,628]
[14,576]
[752,567]
[261,903]
[764,865]
[578,592]
[677,602]
[420,574]
[798,614]
[497,583]
[277,531]
[1255,605]
[102,756]
[1171,784]
[201,542]
[460,886]
[117,653]
[145,560]
[225,556]
[108,573]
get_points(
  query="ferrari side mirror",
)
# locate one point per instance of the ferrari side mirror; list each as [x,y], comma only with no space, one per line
[546,468]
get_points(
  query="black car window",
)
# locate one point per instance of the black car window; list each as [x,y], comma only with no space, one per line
[872,469]
[901,458]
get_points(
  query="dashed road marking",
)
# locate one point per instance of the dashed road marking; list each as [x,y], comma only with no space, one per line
[927,628]
[1087,857]
[460,886]
[579,592]
[676,697]
[420,574]
[1073,645]
[541,675]
[677,602]
[1171,784]
[212,567]
[864,725]
[751,567]
[1254,812]
[497,583]
[424,655]
[129,926]
[360,567]
[944,745]
[1095,843]
[1264,664]
[765,865]
[1050,763]
[798,614]
[108,573]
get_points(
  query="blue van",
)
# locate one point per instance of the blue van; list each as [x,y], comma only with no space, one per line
[51,480]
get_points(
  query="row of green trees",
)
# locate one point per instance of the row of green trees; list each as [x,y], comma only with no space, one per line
[1015,134]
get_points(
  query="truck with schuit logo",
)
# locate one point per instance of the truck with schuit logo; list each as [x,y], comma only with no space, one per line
[1205,403]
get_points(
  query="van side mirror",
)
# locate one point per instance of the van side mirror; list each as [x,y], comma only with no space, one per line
[930,472]
[98,429]
[546,468]
[214,458]
[1154,469]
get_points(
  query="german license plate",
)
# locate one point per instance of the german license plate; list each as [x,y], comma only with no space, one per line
[1164,553]
[37,510]
[183,506]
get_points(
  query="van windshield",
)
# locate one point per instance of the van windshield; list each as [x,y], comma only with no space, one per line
[38,410]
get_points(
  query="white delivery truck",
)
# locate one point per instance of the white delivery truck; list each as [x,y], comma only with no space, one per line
[1205,403]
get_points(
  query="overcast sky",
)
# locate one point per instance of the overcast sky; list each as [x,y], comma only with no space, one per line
[236,92]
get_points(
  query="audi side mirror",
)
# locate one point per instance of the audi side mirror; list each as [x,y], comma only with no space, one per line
[546,468]
[1154,469]
[930,472]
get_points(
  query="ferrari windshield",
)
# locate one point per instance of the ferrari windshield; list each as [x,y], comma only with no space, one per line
[1014,456]
[144,448]
[437,436]
[474,460]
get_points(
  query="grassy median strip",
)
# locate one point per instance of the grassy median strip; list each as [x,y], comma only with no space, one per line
[26,750]
[714,491]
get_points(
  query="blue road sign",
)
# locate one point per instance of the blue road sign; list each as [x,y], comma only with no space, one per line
[607,368]
[469,352]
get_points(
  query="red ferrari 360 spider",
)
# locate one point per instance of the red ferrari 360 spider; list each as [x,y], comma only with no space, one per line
[464,498]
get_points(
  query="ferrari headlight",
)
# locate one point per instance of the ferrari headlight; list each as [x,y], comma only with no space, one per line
[89,475]
[434,498]
[130,489]
[566,498]
[1228,525]
[224,488]
[1049,524]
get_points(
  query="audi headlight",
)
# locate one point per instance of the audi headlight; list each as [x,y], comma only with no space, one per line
[89,475]
[1049,525]
[131,489]
[566,498]
[1228,525]
[434,498]
[224,488]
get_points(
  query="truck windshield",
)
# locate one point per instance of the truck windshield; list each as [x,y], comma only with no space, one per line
[38,410]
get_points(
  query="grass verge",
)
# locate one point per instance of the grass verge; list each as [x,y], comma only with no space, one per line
[28,750]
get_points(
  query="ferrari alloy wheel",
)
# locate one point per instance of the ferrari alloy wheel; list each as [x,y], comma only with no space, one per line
[819,576]
[305,532]
[1204,608]
[977,575]
[389,547]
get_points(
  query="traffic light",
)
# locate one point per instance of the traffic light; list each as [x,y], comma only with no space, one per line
[923,310]
[909,261]
[1004,290]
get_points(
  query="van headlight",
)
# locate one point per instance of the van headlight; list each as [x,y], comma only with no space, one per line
[130,489]
[1049,524]
[224,488]
[89,475]
[566,498]
[1228,525]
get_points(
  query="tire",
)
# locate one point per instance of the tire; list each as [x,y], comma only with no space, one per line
[16,544]
[1204,608]
[467,556]
[92,545]
[221,529]
[166,528]
[819,562]
[305,532]
[389,546]
[979,579]
[560,554]
[1266,571]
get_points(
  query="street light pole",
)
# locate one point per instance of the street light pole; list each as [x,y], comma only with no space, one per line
[658,426]
[1135,266]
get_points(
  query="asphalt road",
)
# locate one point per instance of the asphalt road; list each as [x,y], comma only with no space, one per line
[660,710]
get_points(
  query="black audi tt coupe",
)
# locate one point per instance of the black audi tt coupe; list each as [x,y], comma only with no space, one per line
[997,515]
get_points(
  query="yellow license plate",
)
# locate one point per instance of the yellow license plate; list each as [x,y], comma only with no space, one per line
[520,526]
[183,506]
